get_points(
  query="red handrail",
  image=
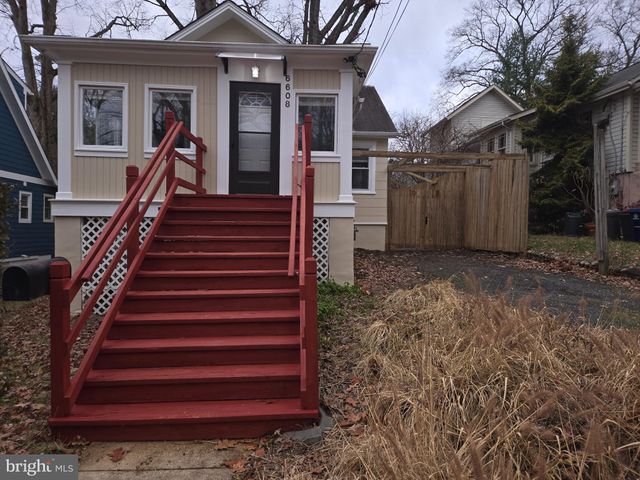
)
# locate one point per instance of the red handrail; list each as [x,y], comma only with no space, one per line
[307,280]
[64,287]
[294,202]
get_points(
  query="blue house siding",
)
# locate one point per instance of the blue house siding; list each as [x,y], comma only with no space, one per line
[35,238]
[15,157]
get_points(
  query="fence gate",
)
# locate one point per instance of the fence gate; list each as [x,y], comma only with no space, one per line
[475,201]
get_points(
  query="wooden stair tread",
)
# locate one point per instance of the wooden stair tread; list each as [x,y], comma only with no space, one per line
[204,317]
[201,343]
[221,238]
[217,255]
[186,294]
[210,273]
[193,374]
[255,223]
[184,412]
[233,196]
[233,209]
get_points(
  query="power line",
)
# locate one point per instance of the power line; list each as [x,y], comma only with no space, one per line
[384,47]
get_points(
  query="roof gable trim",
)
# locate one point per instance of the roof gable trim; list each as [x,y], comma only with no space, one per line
[474,99]
[222,14]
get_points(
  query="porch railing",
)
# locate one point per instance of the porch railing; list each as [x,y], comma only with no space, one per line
[307,270]
[161,169]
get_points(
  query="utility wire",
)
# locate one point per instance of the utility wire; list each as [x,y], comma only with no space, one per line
[384,47]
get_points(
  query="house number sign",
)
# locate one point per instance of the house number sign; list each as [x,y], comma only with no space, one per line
[287,91]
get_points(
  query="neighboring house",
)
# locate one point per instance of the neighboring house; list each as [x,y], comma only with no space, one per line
[224,75]
[25,168]
[619,101]
[489,121]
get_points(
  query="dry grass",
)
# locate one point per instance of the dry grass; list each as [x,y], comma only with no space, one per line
[466,386]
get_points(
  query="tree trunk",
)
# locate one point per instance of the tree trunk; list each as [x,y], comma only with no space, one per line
[204,6]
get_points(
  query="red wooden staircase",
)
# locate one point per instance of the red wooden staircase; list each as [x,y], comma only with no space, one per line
[212,333]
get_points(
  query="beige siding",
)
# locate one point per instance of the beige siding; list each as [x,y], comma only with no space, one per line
[103,177]
[341,250]
[373,208]
[327,182]
[232,32]
[316,80]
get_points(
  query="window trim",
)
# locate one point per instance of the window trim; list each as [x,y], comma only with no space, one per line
[491,141]
[371,190]
[44,210]
[323,94]
[29,206]
[149,150]
[100,150]
[504,148]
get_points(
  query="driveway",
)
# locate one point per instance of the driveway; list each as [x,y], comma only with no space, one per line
[578,293]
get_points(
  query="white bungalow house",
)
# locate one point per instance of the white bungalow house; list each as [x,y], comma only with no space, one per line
[220,69]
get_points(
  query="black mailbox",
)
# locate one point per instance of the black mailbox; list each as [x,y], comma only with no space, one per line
[26,279]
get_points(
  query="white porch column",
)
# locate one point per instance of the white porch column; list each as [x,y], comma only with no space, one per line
[222,160]
[65,129]
[345,133]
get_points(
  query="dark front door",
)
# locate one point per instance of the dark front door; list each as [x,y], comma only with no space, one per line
[255,138]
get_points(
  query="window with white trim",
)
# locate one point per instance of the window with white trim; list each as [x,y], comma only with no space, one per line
[102,117]
[24,207]
[363,172]
[46,208]
[180,101]
[491,145]
[502,142]
[323,112]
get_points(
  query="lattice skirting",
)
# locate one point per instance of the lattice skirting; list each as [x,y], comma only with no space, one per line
[321,246]
[92,226]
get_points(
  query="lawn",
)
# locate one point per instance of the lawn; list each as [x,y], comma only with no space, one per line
[623,255]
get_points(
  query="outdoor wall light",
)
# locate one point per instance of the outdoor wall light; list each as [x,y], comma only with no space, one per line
[255,71]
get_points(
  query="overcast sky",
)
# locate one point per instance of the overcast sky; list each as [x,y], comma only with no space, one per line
[410,69]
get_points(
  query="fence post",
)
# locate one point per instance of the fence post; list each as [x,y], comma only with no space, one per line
[169,120]
[59,322]
[200,164]
[134,241]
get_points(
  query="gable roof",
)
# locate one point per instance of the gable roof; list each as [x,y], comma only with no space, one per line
[371,115]
[620,81]
[14,103]
[220,15]
[474,98]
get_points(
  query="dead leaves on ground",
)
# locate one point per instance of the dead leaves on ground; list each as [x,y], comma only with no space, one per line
[118,454]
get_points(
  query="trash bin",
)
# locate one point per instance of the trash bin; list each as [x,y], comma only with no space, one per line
[634,213]
[619,225]
[574,224]
[26,279]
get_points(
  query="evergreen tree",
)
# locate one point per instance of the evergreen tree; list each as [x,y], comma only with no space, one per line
[562,129]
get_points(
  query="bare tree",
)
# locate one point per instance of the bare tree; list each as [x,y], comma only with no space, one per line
[38,76]
[414,130]
[507,42]
[620,22]
[347,19]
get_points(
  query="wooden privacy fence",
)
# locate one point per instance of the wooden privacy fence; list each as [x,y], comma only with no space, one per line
[459,200]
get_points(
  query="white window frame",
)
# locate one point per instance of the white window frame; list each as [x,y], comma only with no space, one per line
[371,190]
[324,94]
[44,210]
[498,148]
[29,206]
[149,150]
[101,150]
[491,140]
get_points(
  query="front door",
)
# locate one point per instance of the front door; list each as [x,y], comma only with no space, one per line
[255,138]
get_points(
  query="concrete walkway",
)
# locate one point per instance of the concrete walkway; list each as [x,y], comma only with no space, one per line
[159,461]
